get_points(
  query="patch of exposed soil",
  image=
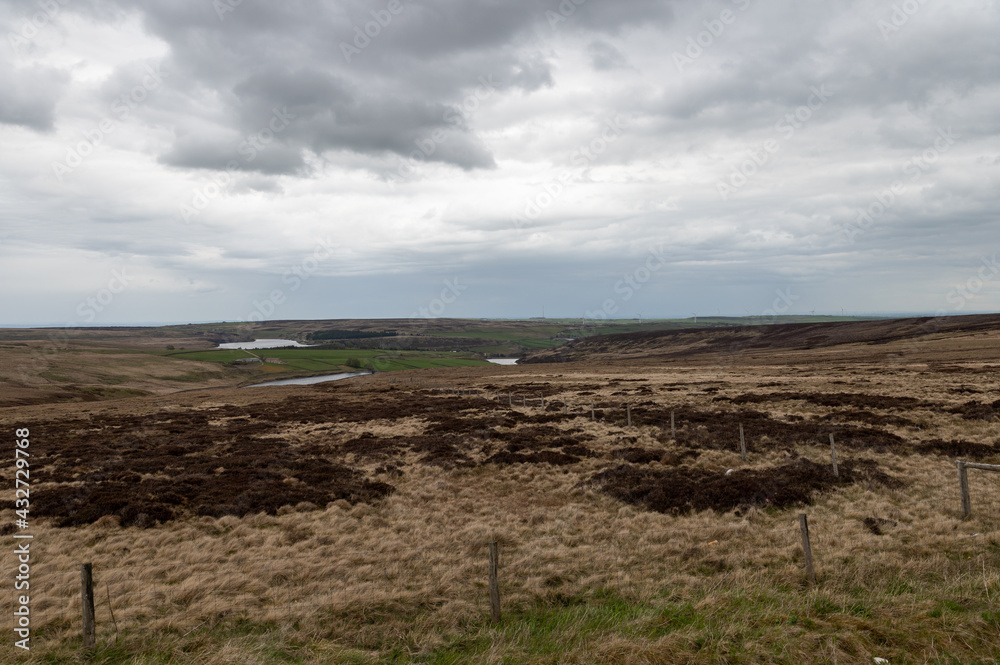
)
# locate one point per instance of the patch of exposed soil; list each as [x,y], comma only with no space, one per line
[544,457]
[976,410]
[878,525]
[540,437]
[439,452]
[533,389]
[958,448]
[855,400]
[684,489]
[579,451]
[856,415]
[368,445]
[217,461]
[639,455]
[238,491]
[719,430]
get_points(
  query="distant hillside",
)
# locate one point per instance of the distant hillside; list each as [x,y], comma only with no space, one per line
[974,337]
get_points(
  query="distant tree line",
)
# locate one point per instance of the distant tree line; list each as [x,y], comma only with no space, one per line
[350,334]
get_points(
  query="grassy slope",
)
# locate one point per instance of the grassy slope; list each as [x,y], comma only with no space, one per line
[887,340]
[32,374]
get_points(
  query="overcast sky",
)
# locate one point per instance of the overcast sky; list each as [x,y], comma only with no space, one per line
[188,160]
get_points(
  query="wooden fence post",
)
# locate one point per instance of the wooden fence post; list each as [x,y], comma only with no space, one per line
[87,600]
[628,410]
[591,410]
[565,409]
[963,485]
[543,402]
[807,548]
[833,456]
[510,399]
[494,583]
[524,401]
[743,444]
[673,428]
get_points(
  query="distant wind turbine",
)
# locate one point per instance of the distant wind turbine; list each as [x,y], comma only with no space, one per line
[695,316]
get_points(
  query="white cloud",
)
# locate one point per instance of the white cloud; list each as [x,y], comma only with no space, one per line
[413,171]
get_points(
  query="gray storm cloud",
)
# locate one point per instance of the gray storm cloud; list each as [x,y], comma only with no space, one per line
[767,145]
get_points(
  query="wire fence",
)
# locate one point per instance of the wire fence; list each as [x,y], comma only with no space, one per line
[187,594]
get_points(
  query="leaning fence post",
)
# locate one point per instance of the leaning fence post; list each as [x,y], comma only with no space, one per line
[87,600]
[963,485]
[494,583]
[807,548]
[673,429]
[833,456]
[743,443]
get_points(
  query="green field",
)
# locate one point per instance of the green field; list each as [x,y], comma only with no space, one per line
[333,360]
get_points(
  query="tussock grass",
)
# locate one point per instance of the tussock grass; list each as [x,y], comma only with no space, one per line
[584,578]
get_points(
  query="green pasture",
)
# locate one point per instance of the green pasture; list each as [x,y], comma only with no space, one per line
[335,360]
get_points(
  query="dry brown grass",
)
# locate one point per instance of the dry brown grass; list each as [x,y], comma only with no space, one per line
[585,578]
[41,372]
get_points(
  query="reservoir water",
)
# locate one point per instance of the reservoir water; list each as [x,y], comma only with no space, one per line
[262,344]
[308,380]
[503,361]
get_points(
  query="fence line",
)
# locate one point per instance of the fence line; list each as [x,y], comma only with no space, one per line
[120,600]
[124,597]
